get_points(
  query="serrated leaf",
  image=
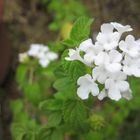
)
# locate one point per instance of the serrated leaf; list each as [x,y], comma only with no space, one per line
[51,105]
[70,43]
[63,96]
[74,113]
[81,29]
[54,119]
[79,32]
[65,85]
[59,72]
[74,69]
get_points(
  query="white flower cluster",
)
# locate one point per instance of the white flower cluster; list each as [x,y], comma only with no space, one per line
[40,52]
[111,60]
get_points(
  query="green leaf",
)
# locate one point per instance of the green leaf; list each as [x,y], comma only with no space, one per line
[79,32]
[57,135]
[74,113]
[59,72]
[18,131]
[81,29]
[65,85]
[44,134]
[70,43]
[64,96]
[54,119]
[21,74]
[51,105]
[16,106]
[74,69]
[33,93]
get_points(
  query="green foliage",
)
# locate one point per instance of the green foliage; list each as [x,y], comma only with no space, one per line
[50,109]
[50,134]
[64,11]
[81,29]
[25,130]
[21,75]
[79,32]
[51,105]
[33,92]
[74,113]
[65,85]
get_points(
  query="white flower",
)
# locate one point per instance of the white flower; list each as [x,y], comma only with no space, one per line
[131,66]
[23,57]
[107,38]
[87,86]
[44,62]
[121,28]
[130,46]
[42,53]
[117,86]
[74,55]
[92,52]
[47,58]
[127,94]
[102,94]
[35,49]
[100,74]
[111,61]
[51,56]
[85,45]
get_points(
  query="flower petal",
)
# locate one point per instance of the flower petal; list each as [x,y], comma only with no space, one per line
[127,94]
[86,45]
[114,94]
[122,85]
[107,28]
[83,93]
[102,94]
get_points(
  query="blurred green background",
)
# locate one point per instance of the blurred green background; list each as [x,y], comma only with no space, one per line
[49,21]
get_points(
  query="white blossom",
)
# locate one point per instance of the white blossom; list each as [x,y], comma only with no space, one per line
[127,94]
[47,58]
[121,28]
[92,52]
[131,66]
[107,38]
[112,60]
[44,62]
[36,49]
[42,54]
[100,74]
[74,55]
[116,85]
[85,45]
[102,94]
[86,86]
[130,46]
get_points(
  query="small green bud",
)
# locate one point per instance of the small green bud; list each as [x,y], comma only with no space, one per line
[97,122]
